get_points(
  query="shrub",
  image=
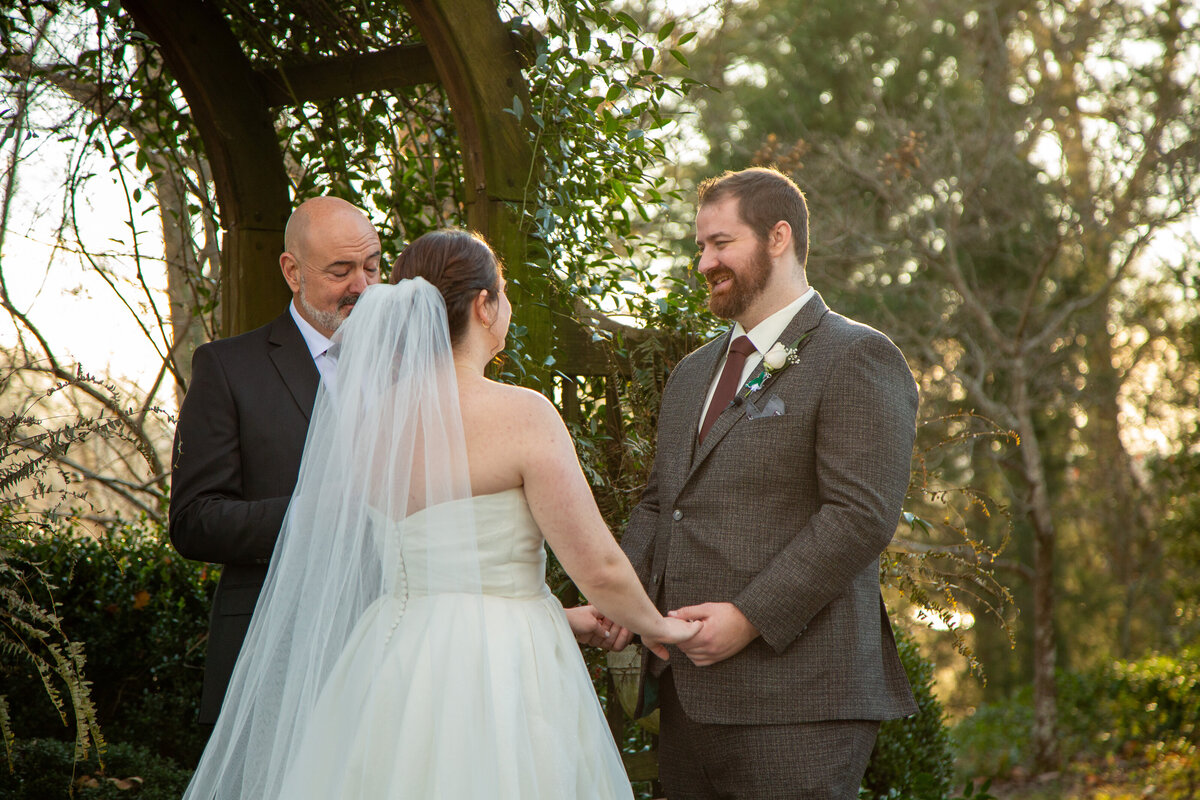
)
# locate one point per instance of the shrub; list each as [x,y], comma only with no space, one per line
[995,738]
[141,611]
[46,768]
[912,757]
[1142,714]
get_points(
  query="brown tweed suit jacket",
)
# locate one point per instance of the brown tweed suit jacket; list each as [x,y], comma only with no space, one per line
[785,517]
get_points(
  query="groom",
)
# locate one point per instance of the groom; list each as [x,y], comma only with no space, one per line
[783,458]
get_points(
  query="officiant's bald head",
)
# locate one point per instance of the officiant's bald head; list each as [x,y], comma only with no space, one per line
[331,254]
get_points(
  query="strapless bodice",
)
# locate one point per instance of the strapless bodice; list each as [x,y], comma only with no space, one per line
[430,552]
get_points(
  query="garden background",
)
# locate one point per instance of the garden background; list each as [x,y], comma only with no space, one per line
[1007,188]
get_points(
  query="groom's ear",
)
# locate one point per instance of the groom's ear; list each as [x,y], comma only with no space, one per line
[779,238]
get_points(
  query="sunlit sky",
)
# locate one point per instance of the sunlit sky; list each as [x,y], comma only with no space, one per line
[60,292]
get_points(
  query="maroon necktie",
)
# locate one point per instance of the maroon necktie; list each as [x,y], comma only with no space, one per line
[727,384]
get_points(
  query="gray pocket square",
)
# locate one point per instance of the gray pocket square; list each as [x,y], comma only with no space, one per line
[773,407]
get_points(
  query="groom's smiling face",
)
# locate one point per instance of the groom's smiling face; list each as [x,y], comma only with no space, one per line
[733,260]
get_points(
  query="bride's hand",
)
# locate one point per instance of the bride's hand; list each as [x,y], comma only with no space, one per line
[671,633]
[593,628]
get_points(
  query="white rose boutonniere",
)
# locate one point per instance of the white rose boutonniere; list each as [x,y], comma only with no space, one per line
[776,357]
[775,360]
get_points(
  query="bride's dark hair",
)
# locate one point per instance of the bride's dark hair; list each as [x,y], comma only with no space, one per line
[459,264]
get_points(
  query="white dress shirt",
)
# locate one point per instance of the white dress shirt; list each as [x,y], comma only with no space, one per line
[764,336]
[318,346]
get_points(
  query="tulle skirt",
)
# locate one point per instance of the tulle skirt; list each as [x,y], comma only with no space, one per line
[459,696]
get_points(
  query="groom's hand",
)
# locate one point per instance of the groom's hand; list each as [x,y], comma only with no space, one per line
[593,628]
[725,632]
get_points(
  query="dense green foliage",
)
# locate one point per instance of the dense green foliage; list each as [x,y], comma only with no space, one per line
[912,758]
[1141,717]
[143,613]
[46,769]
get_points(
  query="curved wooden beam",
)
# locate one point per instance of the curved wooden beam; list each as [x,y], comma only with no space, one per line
[327,78]
[480,68]
[235,122]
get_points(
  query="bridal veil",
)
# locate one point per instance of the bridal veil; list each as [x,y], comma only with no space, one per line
[385,445]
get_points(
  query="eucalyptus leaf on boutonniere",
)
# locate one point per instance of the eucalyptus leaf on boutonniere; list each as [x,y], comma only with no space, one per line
[778,358]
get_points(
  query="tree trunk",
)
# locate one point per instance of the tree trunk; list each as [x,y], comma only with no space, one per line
[1045,641]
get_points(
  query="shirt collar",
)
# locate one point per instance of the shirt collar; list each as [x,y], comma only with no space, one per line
[317,342]
[765,334]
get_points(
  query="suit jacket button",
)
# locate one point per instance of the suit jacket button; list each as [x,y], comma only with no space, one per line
[678,515]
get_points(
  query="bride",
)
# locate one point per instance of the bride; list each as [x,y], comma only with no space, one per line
[405,644]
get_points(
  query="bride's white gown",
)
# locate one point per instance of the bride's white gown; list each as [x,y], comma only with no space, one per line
[441,694]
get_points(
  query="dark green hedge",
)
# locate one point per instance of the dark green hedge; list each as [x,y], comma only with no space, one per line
[45,769]
[1144,713]
[142,612]
[913,758]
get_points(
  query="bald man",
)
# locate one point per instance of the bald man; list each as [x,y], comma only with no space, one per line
[243,422]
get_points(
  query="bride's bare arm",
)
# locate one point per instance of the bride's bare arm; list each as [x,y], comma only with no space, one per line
[562,504]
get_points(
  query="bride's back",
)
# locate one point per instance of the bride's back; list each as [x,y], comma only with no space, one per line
[503,425]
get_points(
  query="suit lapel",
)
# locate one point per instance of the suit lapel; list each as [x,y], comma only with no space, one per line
[805,322]
[291,357]
[694,387]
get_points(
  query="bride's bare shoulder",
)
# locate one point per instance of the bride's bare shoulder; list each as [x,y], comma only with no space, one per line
[515,405]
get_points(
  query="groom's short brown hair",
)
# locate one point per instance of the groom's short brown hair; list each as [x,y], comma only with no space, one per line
[765,196]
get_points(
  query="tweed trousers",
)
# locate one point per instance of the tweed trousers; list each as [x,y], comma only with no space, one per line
[801,761]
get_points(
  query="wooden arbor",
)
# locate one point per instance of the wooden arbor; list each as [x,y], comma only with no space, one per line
[466,47]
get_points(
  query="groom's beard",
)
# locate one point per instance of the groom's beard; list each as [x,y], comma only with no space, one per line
[744,287]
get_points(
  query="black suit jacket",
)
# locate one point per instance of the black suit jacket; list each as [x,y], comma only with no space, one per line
[237,453]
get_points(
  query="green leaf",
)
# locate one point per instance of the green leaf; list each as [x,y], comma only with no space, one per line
[629,22]
[517,110]
[678,56]
[665,30]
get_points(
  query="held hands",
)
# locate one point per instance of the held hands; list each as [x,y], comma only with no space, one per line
[593,628]
[725,632]
[674,631]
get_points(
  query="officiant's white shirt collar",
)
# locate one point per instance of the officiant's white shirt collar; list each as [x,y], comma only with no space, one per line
[766,333]
[317,343]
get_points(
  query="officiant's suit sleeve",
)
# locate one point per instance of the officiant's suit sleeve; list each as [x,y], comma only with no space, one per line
[210,517]
[865,427]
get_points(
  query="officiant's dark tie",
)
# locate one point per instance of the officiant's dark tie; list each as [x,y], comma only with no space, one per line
[728,383]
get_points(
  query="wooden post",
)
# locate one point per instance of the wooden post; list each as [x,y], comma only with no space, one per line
[481,72]
[228,106]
